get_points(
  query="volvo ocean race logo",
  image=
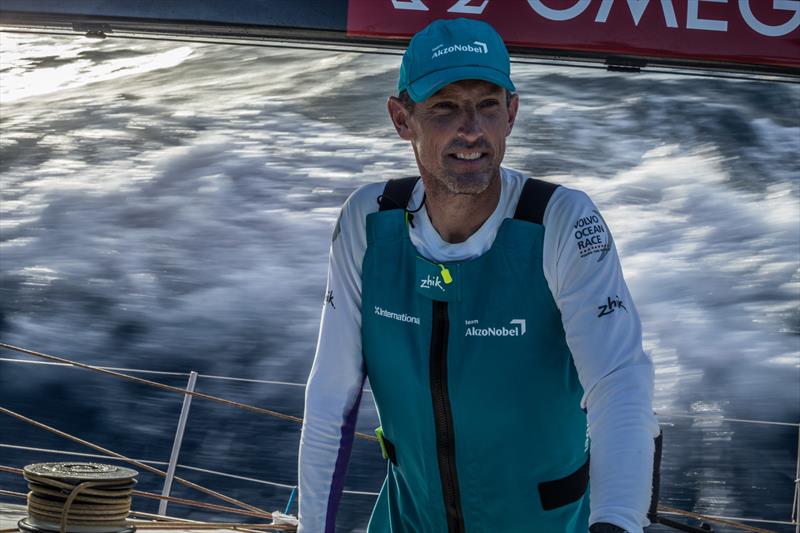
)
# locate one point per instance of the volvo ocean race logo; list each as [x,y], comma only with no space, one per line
[401,317]
[476,47]
[515,328]
[592,236]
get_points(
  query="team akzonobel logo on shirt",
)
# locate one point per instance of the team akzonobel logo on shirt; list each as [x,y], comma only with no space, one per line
[515,328]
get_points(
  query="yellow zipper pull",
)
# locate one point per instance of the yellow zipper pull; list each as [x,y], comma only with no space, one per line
[448,279]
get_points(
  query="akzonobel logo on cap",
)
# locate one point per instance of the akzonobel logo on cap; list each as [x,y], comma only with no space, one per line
[478,48]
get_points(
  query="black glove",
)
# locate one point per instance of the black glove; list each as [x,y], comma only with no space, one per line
[604,527]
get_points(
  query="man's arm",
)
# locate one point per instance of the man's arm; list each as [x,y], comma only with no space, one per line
[603,332]
[333,392]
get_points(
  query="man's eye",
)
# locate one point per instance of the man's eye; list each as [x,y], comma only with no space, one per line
[489,103]
[446,106]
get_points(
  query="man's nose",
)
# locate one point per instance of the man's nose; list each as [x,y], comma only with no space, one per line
[470,128]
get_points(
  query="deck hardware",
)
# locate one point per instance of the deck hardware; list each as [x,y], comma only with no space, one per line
[625,64]
[93,30]
[71,497]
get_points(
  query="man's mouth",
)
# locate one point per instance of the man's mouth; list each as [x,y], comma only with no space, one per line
[467,156]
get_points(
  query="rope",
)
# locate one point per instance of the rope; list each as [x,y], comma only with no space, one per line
[366,389]
[138,464]
[169,388]
[167,519]
[726,419]
[183,526]
[164,373]
[185,467]
[151,516]
[729,523]
[11,470]
[43,506]
[201,505]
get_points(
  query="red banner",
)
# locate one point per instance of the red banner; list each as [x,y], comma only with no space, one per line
[748,32]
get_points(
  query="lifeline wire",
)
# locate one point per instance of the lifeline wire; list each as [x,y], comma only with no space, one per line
[170,388]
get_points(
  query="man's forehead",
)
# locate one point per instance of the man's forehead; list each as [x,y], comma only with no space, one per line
[461,87]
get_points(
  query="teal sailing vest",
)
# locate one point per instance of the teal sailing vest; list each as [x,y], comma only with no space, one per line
[476,390]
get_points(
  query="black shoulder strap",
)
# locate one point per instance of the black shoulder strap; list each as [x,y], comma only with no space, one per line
[533,200]
[397,193]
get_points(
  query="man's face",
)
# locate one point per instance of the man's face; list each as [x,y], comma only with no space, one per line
[459,133]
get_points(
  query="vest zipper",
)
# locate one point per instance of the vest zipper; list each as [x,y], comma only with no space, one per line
[443,418]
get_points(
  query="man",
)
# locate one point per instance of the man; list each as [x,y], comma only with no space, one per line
[491,317]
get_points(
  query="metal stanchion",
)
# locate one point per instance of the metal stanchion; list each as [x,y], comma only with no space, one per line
[176,445]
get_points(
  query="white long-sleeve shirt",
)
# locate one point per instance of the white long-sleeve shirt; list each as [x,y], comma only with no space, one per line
[602,328]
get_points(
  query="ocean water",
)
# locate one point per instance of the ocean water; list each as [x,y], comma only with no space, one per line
[168,206]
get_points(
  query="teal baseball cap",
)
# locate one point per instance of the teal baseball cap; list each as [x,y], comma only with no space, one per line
[452,50]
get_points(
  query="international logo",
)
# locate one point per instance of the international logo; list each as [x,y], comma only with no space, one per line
[432,282]
[401,317]
[476,47]
[611,305]
[515,328]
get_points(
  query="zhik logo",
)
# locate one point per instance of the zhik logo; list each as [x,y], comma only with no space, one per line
[517,329]
[431,282]
[476,47]
[610,306]
[329,298]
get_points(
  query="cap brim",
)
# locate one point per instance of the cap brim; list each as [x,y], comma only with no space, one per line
[426,86]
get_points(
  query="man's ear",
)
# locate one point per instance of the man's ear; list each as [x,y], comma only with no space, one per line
[400,117]
[513,107]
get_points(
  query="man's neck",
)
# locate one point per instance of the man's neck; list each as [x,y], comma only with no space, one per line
[457,216]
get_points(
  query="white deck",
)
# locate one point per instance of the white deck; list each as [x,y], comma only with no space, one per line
[11,514]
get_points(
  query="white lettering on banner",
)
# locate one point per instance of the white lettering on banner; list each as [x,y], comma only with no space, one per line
[694,22]
[462,6]
[765,29]
[559,14]
[637,8]
[412,5]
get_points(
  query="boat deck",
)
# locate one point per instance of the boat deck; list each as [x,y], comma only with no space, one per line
[10,514]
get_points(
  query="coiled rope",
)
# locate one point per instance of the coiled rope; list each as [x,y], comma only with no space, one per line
[721,521]
[96,503]
[153,496]
[169,388]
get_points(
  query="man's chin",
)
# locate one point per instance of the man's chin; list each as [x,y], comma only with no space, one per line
[472,183]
